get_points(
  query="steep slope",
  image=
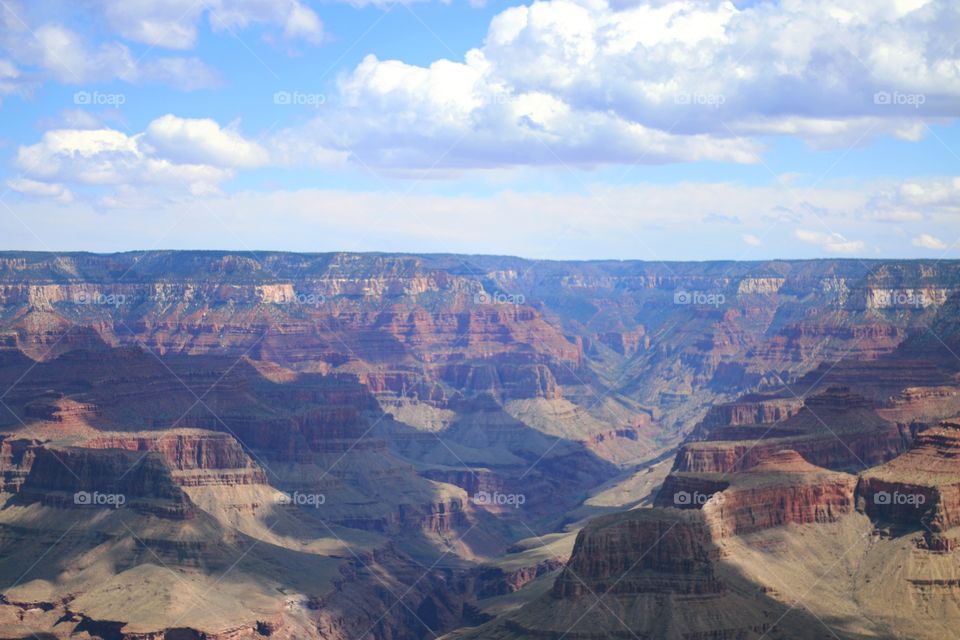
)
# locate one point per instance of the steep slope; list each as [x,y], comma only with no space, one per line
[920,490]
[337,432]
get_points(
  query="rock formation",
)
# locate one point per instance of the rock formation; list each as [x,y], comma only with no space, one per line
[363,429]
[919,490]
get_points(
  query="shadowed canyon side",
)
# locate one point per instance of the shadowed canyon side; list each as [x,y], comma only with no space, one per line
[827,506]
[330,446]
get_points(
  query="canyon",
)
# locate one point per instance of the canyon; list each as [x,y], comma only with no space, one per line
[230,445]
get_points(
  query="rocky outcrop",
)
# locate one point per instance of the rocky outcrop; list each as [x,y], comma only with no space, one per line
[761,285]
[195,457]
[16,458]
[923,406]
[845,451]
[492,581]
[443,314]
[644,551]
[782,489]
[878,379]
[76,478]
[473,481]
[751,410]
[919,490]
[444,517]
[505,380]
[626,343]
[419,605]
[835,429]
[505,376]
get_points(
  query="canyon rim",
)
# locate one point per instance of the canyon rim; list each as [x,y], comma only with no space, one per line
[331,446]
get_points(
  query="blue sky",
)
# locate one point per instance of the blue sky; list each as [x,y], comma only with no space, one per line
[665,129]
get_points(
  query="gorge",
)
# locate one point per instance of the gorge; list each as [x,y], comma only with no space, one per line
[230,445]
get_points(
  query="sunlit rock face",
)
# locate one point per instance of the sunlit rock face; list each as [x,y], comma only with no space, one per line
[919,490]
[355,422]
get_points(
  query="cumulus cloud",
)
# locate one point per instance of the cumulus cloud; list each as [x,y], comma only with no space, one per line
[830,242]
[201,141]
[927,241]
[402,116]
[585,83]
[177,156]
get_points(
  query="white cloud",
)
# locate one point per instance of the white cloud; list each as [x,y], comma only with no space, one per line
[913,200]
[89,156]
[201,141]
[41,189]
[927,241]
[173,24]
[830,242]
[584,83]
[402,116]
[646,221]
[176,156]
[302,22]
[752,240]
[63,55]
[187,74]
[10,79]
